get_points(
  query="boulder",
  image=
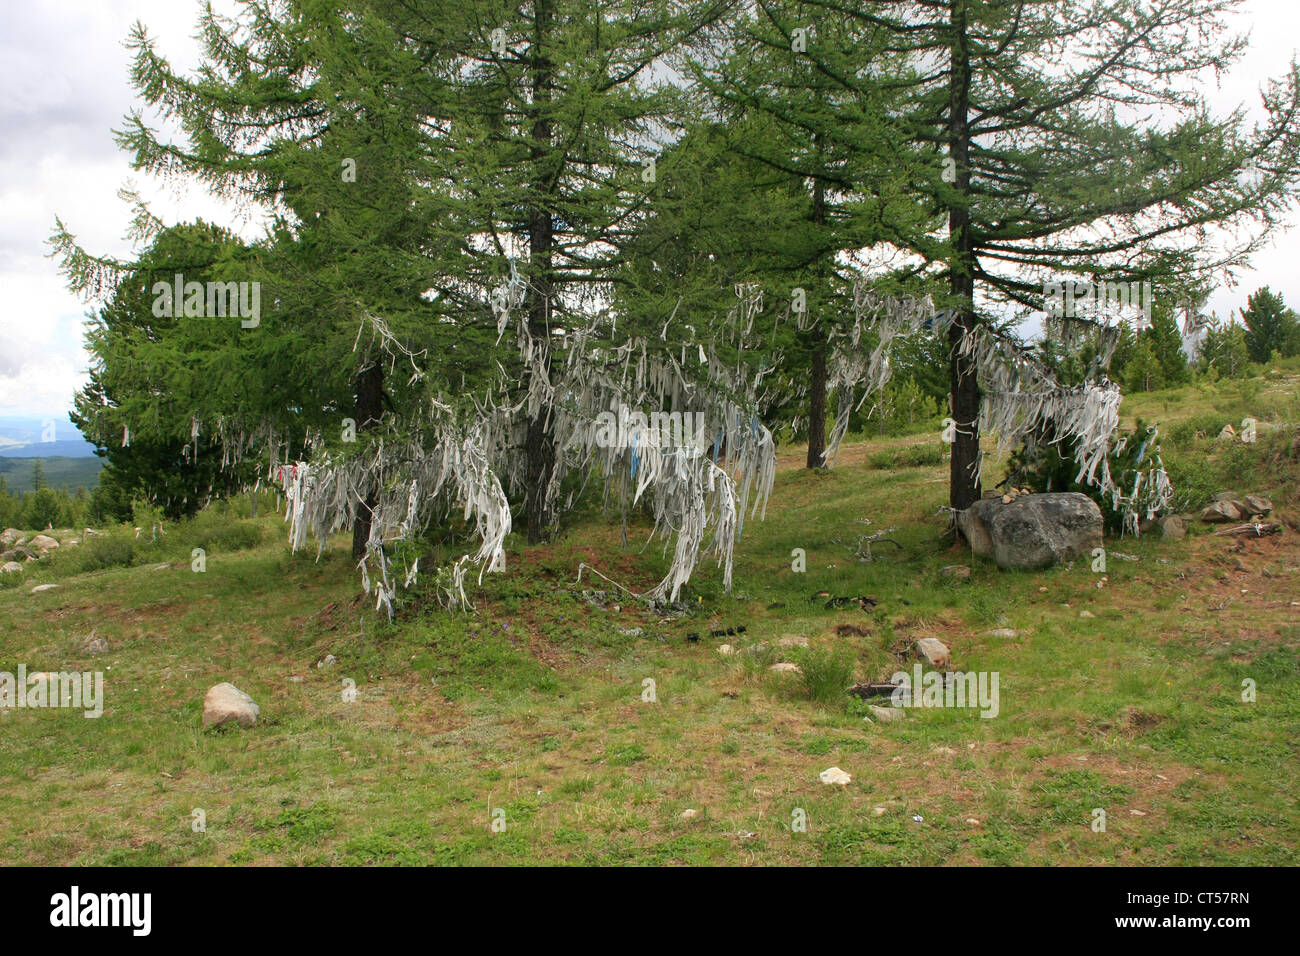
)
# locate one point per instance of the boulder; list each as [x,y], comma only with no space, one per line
[43,543]
[1222,511]
[1172,526]
[10,537]
[1033,531]
[9,567]
[224,703]
[1257,505]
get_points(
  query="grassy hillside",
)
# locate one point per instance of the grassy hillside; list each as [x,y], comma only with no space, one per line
[1120,691]
[68,473]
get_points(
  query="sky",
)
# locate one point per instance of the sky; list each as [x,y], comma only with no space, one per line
[64,65]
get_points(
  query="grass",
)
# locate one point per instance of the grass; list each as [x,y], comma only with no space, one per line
[536,704]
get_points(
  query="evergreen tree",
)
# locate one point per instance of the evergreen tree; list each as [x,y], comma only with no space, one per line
[1270,325]
[1066,138]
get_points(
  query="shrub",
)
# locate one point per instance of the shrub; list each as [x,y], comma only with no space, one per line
[826,674]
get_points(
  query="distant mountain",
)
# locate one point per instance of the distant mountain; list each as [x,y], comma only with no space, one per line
[22,437]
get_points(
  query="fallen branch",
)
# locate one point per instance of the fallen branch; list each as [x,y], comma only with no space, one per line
[1257,530]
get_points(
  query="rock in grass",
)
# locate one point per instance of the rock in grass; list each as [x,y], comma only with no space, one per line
[785,667]
[10,537]
[887,715]
[1172,526]
[933,651]
[1033,531]
[43,587]
[43,543]
[726,650]
[834,775]
[94,644]
[999,632]
[10,567]
[1222,511]
[224,703]
[955,572]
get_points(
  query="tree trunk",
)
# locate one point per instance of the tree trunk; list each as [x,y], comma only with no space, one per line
[370,408]
[540,449]
[964,485]
[817,394]
[817,408]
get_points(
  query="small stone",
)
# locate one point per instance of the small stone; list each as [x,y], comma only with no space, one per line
[94,644]
[933,651]
[43,587]
[999,632]
[689,814]
[1137,813]
[834,775]
[225,702]
[630,631]
[879,811]
[1086,614]
[886,715]
[971,821]
[955,572]
[295,679]
[329,660]
[726,650]
[792,640]
[785,667]
[10,567]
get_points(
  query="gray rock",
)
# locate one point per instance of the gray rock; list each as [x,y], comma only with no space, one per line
[1222,511]
[956,572]
[1033,531]
[43,543]
[10,537]
[1172,526]
[999,632]
[933,651]
[225,703]
[10,567]
[1257,505]
[887,715]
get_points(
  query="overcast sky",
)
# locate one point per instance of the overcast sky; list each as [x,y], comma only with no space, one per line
[64,66]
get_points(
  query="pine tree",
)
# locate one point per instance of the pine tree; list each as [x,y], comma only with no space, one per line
[1270,325]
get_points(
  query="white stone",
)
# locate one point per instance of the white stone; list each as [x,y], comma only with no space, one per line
[834,775]
[225,702]
[785,667]
[887,714]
